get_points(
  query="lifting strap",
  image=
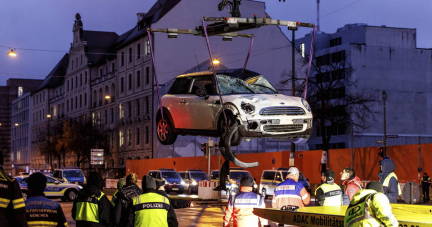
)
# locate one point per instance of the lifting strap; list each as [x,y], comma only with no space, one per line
[309,64]
[154,69]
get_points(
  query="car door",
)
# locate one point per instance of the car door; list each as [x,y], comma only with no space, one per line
[175,102]
[53,188]
[202,110]
[278,179]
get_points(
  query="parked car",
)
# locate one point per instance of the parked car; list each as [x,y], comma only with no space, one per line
[191,178]
[192,106]
[233,182]
[55,189]
[173,181]
[70,175]
[271,178]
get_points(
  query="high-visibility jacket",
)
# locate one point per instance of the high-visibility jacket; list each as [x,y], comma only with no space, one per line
[332,194]
[240,209]
[151,209]
[44,212]
[387,181]
[292,193]
[12,206]
[114,198]
[369,208]
[87,209]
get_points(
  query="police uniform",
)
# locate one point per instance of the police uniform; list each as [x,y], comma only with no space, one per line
[12,206]
[332,194]
[44,212]
[426,183]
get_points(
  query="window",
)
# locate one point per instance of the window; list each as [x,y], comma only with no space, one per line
[180,86]
[71,102]
[147,104]
[20,91]
[147,75]
[122,84]
[76,81]
[121,110]
[85,99]
[130,82]
[302,49]
[76,63]
[93,119]
[112,67]
[335,41]
[112,115]
[106,116]
[71,83]
[72,64]
[130,54]
[81,79]
[205,84]
[323,60]
[100,72]
[76,102]
[268,175]
[147,135]
[80,100]
[137,107]
[122,59]
[137,136]
[138,78]
[129,109]
[129,137]
[81,60]
[147,47]
[279,177]
[138,50]
[338,56]
[121,139]
[85,77]
[99,118]
[67,105]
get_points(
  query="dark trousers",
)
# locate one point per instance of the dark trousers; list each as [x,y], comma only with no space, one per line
[426,194]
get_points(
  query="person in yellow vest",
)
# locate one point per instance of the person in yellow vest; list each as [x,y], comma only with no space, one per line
[152,209]
[120,184]
[389,179]
[328,193]
[92,207]
[370,207]
[12,206]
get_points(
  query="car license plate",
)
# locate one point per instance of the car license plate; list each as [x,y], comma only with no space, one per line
[175,189]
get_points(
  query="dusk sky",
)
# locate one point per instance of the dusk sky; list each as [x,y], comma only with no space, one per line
[41,31]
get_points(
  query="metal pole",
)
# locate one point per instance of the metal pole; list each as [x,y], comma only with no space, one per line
[318,16]
[209,156]
[293,81]
[219,168]
[352,146]
[384,97]
[419,160]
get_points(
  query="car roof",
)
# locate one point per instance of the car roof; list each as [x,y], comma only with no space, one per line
[237,73]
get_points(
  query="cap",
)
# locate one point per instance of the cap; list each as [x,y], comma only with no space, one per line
[375,185]
[148,182]
[247,181]
[159,183]
[329,174]
[292,171]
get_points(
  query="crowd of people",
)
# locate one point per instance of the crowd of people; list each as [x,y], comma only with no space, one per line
[151,206]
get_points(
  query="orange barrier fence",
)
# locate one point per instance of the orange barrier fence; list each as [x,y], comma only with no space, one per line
[309,162]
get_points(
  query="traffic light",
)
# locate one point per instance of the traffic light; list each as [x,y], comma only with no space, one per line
[216,147]
[204,148]
[381,151]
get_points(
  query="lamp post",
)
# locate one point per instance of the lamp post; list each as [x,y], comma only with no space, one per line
[12,53]
[216,62]
[384,97]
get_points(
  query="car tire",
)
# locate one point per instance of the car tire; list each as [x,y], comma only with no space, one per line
[71,195]
[264,193]
[24,195]
[236,138]
[165,132]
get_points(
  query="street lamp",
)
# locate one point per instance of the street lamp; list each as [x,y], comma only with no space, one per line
[216,61]
[48,115]
[16,124]
[11,53]
[107,97]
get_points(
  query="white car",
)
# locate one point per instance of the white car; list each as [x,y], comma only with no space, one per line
[193,107]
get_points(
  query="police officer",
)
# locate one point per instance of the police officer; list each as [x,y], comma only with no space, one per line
[370,207]
[328,193]
[40,210]
[120,185]
[124,200]
[152,209]
[389,179]
[92,207]
[426,183]
[12,206]
[240,208]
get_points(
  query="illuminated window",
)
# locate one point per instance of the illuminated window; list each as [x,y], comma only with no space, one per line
[121,138]
[20,91]
[302,49]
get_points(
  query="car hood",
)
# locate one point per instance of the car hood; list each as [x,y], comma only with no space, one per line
[264,100]
[176,180]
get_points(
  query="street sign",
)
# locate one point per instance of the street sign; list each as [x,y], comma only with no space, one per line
[392,136]
[96,156]
[380,141]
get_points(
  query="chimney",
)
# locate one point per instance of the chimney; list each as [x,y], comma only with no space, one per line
[140,16]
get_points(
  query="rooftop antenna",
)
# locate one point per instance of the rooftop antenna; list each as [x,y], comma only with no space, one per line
[318,17]
[234,7]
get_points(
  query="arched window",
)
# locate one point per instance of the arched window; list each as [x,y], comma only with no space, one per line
[112,162]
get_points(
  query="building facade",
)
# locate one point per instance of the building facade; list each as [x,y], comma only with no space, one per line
[382,59]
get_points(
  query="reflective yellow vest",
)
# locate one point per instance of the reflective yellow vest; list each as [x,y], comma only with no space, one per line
[151,209]
[88,210]
[387,181]
[332,194]
[114,198]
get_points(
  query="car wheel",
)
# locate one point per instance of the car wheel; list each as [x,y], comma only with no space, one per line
[24,195]
[236,138]
[165,132]
[71,195]
[264,193]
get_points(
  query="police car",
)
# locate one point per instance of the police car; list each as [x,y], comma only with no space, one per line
[55,189]
[173,180]
[271,178]
[233,182]
[70,175]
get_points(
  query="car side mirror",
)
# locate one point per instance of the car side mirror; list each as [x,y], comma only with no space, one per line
[202,93]
[57,182]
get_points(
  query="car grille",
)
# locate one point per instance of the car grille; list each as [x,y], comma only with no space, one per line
[282,110]
[283,128]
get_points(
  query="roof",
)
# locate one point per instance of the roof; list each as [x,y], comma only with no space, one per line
[56,76]
[158,10]
[98,44]
[237,73]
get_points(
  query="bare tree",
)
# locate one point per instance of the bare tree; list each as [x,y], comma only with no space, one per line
[49,144]
[334,103]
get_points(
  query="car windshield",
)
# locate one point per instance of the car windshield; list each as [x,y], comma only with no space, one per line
[199,176]
[239,175]
[182,175]
[73,173]
[170,175]
[215,175]
[255,85]
[301,176]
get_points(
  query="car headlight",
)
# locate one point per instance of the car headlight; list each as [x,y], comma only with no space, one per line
[255,186]
[182,182]
[233,186]
[194,182]
[247,108]
[79,187]
[306,104]
[166,182]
